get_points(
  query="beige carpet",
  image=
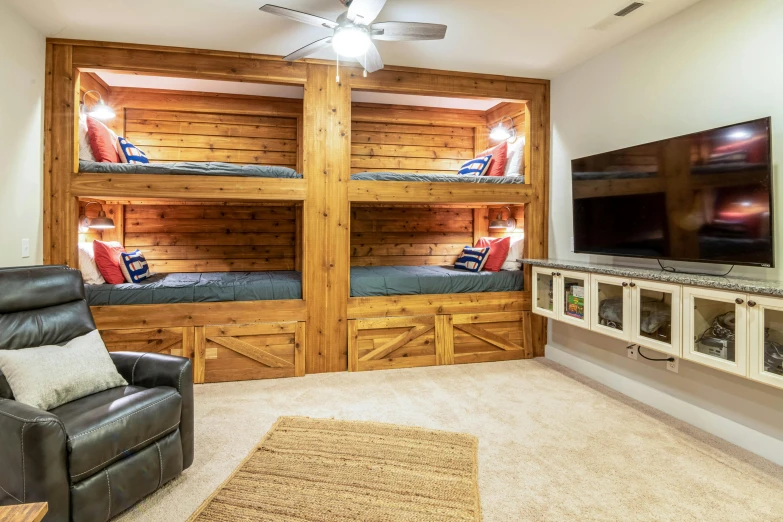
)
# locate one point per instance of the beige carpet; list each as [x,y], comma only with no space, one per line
[552,445]
[322,469]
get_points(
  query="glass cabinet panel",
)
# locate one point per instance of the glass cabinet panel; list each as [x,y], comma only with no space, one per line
[611,313]
[656,316]
[765,322]
[574,302]
[715,329]
[544,290]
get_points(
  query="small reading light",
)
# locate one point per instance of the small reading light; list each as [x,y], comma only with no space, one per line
[99,111]
[507,224]
[101,222]
[502,133]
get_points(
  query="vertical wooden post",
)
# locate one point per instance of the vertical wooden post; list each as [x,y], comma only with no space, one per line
[300,343]
[199,354]
[480,223]
[353,345]
[326,162]
[444,339]
[298,239]
[60,157]
[537,211]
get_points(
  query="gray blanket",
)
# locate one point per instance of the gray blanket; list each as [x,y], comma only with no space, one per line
[191,168]
[448,178]
[262,286]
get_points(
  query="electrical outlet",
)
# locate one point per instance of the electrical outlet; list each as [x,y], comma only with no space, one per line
[673,366]
[25,247]
[633,353]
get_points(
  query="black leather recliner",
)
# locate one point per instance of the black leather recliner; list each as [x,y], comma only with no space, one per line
[94,457]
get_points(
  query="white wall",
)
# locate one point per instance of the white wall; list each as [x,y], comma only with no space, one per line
[22,69]
[718,62]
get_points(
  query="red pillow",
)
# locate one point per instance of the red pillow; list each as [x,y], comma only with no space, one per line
[107,257]
[101,142]
[497,167]
[498,251]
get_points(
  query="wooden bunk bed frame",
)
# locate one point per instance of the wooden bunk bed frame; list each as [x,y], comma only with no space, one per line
[327,330]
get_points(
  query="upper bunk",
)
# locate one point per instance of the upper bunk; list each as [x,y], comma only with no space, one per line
[219,140]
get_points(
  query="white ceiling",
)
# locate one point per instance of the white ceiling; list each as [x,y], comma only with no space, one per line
[113,79]
[534,38]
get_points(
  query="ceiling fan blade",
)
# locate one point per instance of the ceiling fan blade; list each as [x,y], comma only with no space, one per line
[368,10]
[372,59]
[298,16]
[408,31]
[308,49]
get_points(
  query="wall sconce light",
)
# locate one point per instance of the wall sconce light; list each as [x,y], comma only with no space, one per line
[99,111]
[100,223]
[503,133]
[508,224]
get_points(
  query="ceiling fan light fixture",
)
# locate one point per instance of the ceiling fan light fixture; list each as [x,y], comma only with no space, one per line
[351,41]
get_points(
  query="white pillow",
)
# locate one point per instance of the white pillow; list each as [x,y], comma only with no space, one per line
[515,158]
[515,252]
[85,149]
[90,272]
[50,376]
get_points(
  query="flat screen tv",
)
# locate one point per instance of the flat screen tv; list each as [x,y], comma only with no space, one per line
[704,197]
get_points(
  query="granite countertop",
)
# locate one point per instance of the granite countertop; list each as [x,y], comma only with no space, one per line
[737,284]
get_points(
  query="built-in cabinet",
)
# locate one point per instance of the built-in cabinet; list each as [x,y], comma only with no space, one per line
[734,332]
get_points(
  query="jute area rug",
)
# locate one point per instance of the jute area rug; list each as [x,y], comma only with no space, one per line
[331,470]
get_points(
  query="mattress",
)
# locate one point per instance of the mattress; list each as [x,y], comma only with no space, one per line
[264,286]
[190,168]
[199,288]
[445,178]
[413,280]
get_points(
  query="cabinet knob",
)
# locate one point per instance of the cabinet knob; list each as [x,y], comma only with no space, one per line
[739,300]
[558,274]
[554,274]
[633,284]
[751,303]
[625,284]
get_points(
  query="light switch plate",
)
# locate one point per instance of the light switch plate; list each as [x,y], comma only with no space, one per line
[25,247]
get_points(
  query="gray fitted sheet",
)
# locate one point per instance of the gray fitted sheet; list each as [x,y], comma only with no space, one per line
[263,286]
[199,288]
[412,280]
[191,168]
[447,178]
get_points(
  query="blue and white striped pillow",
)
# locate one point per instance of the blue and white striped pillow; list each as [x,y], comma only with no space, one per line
[472,259]
[130,154]
[475,167]
[134,267]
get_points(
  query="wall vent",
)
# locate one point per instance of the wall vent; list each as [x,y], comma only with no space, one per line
[630,8]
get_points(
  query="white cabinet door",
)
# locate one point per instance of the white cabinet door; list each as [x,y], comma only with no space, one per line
[545,288]
[610,310]
[765,329]
[715,329]
[572,301]
[656,316]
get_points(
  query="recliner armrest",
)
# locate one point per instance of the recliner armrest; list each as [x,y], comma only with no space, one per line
[154,369]
[34,456]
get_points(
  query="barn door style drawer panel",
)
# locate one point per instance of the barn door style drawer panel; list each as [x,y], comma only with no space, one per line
[250,351]
[490,337]
[391,342]
[168,341]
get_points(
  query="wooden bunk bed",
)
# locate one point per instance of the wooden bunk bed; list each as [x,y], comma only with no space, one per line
[326,330]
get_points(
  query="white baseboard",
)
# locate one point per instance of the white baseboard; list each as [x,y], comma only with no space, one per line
[754,441]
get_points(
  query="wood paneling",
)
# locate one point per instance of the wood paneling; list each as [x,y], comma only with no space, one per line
[204,238]
[400,342]
[326,160]
[438,192]
[251,351]
[414,236]
[169,341]
[392,138]
[487,337]
[405,305]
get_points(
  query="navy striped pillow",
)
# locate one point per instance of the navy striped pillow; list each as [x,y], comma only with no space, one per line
[472,259]
[475,167]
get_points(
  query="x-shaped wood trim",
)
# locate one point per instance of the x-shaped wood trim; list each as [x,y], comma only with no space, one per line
[491,338]
[253,352]
[397,342]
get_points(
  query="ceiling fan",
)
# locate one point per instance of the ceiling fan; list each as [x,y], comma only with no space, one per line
[354,32]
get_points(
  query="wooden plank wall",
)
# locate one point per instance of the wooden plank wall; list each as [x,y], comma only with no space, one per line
[212,237]
[390,138]
[410,236]
[167,136]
